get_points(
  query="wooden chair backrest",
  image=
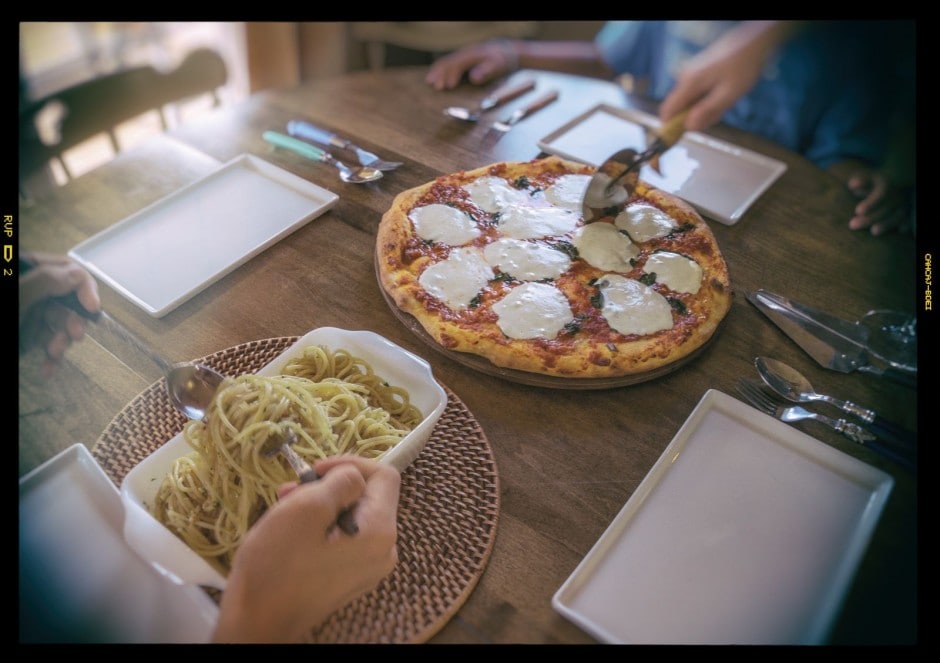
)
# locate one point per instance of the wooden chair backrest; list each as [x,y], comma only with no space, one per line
[101,104]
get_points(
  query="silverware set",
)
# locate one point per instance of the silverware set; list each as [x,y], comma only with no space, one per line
[781,385]
[497,99]
[309,131]
[846,346]
[371,166]
[304,137]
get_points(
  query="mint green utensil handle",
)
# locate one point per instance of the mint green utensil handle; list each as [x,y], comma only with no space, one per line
[302,148]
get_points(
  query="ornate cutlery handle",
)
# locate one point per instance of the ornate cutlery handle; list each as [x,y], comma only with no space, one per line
[866,438]
[881,427]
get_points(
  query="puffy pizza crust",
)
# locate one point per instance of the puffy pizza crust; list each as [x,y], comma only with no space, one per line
[593,350]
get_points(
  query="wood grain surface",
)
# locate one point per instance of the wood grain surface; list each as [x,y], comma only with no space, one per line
[568,460]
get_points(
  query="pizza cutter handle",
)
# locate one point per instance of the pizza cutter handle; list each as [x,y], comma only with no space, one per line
[672,129]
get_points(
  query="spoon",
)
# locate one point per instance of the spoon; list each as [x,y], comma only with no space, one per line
[305,149]
[190,386]
[792,385]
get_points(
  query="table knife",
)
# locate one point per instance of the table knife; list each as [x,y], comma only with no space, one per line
[827,347]
[505,125]
[488,103]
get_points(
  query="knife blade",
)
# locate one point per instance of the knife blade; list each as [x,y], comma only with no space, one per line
[849,330]
[827,347]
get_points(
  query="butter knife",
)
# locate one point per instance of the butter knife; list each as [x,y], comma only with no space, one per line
[498,98]
[310,131]
[502,126]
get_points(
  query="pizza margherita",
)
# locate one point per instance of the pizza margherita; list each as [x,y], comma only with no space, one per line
[498,262]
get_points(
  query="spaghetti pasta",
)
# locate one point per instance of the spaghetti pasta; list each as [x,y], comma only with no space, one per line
[334,403]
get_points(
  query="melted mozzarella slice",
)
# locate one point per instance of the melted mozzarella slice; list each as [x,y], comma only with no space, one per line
[443,223]
[533,310]
[568,191]
[676,271]
[459,278]
[633,308]
[645,222]
[605,247]
[523,222]
[526,261]
[491,194]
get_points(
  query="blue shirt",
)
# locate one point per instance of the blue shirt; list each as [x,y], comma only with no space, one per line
[831,92]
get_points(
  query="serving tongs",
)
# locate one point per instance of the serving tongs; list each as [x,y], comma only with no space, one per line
[615,180]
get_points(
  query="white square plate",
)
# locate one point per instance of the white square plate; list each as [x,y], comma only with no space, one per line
[174,248]
[79,581]
[397,366]
[745,531]
[719,179]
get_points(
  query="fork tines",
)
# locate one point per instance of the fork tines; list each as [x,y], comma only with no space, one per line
[755,393]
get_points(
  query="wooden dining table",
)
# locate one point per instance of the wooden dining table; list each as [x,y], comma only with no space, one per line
[568,459]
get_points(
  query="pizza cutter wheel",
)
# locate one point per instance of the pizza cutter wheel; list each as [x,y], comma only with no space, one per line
[615,180]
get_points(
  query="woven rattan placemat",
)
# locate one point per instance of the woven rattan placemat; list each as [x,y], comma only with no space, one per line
[447,515]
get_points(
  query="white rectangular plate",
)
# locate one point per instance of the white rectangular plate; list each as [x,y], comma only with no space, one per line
[397,366]
[719,179]
[172,249]
[745,531]
[79,581]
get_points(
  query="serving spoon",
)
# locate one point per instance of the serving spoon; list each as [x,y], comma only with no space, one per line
[346,173]
[795,387]
[190,385]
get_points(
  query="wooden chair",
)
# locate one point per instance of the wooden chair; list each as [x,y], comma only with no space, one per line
[101,104]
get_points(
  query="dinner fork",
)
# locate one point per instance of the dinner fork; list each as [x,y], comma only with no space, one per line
[760,399]
[324,137]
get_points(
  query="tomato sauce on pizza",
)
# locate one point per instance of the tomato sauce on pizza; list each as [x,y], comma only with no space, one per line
[498,262]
